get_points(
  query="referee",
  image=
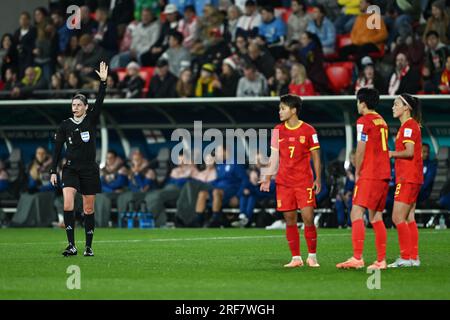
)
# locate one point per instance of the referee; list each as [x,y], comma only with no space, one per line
[80,172]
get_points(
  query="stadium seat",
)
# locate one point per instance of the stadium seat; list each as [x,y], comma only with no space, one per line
[146,74]
[339,77]
[343,40]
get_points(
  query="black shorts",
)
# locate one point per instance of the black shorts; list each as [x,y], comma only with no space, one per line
[83,177]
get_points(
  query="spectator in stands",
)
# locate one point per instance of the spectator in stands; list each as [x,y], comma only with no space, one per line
[106,33]
[413,47]
[439,21]
[25,39]
[405,78]
[399,19]
[444,85]
[4,180]
[217,50]
[188,27]
[39,172]
[229,78]
[112,86]
[177,56]
[87,25]
[62,31]
[369,78]
[185,84]
[67,60]
[211,27]
[142,178]
[344,198]
[157,200]
[300,84]
[122,14]
[45,50]
[297,22]
[73,82]
[10,80]
[262,60]
[240,47]
[8,54]
[252,84]
[311,56]
[233,15]
[132,84]
[154,5]
[144,36]
[231,178]
[248,24]
[323,28]
[33,80]
[208,83]
[114,176]
[151,56]
[272,32]
[57,84]
[163,82]
[429,173]
[279,85]
[435,59]
[344,22]
[88,57]
[365,40]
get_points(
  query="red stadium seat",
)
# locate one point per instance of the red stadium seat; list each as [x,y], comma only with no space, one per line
[339,77]
[146,74]
[343,40]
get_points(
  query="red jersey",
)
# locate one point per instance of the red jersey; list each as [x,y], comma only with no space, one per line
[409,170]
[373,130]
[295,146]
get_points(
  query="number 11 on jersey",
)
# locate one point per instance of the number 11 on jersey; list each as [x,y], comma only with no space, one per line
[384,138]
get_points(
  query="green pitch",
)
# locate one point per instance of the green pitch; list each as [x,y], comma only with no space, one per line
[211,264]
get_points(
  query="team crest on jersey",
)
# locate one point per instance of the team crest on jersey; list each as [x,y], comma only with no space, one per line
[85,136]
[302,139]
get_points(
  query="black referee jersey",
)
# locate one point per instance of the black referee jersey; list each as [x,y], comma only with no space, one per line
[79,136]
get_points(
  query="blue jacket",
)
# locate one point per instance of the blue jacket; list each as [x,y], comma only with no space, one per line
[273,31]
[119,182]
[429,173]
[4,184]
[326,33]
[33,185]
[140,182]
[231,176]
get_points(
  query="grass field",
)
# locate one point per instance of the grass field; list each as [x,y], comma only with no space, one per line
[211,264]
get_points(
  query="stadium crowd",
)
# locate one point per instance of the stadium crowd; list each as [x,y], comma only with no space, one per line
[225,48]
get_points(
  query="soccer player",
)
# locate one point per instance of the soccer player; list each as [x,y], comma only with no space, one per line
[294,143]
[81,172]
[372,175]
[409,178]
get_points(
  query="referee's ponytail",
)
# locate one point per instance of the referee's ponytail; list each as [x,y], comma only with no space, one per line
[414,104]
[81,97]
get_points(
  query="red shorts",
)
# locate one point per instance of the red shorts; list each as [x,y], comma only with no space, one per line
[371,194]
[291,199]
[407,192]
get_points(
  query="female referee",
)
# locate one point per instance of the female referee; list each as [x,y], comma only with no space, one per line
[408,176]
[80,172]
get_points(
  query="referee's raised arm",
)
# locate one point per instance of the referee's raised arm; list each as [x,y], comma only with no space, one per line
[103,75]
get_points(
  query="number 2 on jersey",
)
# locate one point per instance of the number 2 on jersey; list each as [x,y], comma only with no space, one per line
[292,148]
[384,137]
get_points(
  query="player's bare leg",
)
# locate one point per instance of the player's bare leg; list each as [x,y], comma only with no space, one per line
[414,236]
[310,236]
[376,219]
[89,222]
[217,208]
[200,208]
[69,220]
[293,238]
[358,236]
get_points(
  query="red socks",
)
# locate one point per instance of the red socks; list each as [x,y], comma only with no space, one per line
[414,239]
[404,240]
[380,239]
[293,239]
[358,235]
[311,238]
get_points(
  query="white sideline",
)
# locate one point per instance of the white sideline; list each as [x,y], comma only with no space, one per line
[191,239]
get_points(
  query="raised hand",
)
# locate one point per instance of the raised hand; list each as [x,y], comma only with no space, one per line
[103,73]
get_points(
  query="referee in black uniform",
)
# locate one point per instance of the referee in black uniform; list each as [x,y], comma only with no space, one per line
[81,172]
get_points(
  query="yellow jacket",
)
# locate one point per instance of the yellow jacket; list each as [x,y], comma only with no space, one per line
[351,6]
